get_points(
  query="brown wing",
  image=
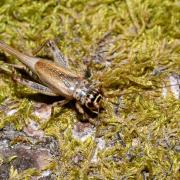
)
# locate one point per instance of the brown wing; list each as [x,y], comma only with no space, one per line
[58,79]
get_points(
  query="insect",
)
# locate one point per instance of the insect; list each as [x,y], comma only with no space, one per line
[56,79]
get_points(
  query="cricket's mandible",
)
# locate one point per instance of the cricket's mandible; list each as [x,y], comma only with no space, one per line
[55,78]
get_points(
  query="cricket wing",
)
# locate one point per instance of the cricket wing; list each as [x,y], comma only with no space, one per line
[62,81]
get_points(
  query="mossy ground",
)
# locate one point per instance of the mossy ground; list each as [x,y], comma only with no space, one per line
[131,47]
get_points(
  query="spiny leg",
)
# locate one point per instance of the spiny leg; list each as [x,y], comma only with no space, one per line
[16,66]
[37,50]
[35,86]
[57,55]
[23,68]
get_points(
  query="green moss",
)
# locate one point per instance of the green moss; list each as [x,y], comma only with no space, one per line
[136,37]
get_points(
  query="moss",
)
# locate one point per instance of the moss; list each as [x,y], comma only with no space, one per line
[124,44]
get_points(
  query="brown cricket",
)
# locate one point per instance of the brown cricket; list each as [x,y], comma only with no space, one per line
[55,78]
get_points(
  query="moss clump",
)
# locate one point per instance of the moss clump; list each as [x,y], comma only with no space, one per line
[131,47]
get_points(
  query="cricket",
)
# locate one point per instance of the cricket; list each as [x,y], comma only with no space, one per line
[55,78]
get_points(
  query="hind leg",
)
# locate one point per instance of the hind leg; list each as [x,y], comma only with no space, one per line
[23,68]
[35,86]
[57,55]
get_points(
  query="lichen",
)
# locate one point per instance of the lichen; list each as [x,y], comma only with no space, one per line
[131,48]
